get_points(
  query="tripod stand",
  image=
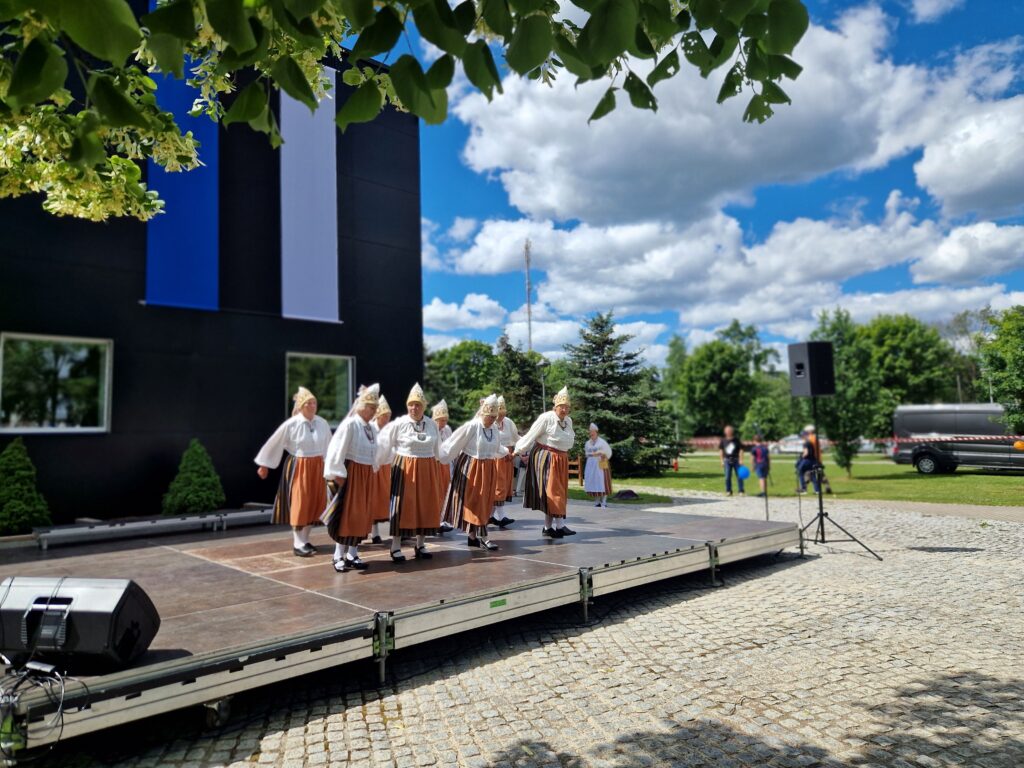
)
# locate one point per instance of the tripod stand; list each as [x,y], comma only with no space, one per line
[822,516]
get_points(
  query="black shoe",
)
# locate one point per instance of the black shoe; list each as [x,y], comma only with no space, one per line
[472,542]
[566,531]
[397,557]
[494,521]
[446,527]
[506,522]
[760,495]
[376,540]
[355,563]
[422,554]
[302,552]
[310,548]
[552,533]
[490,547]
[340,566]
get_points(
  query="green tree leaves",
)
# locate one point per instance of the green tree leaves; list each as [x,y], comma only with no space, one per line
[39,71]
[531,44]
[105,28]
[279,44]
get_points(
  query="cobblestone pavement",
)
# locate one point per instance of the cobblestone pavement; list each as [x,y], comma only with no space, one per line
[834,660]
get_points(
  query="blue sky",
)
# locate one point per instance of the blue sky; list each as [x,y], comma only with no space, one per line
[893,183]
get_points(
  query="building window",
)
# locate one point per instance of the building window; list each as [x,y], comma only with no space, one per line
[54,383]
[329,377]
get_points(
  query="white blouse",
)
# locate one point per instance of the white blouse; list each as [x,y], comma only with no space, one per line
[598,448]
[475,440]
[509,433]
[547,430]
[446,432]
[354,439]
[298,436]
[404,437]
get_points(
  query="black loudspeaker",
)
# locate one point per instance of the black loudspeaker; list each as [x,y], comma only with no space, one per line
[811,370]
[76,624]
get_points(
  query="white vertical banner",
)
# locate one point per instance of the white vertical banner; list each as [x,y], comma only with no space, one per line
[309,210]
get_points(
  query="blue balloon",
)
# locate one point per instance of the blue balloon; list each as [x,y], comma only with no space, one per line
[743,472]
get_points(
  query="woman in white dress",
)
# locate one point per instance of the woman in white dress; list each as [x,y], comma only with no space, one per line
[439,413]
[302,493]
[415,442]
[477,453]
[381,514]
[508,435]
[597,474]
[351,466]
[547,478]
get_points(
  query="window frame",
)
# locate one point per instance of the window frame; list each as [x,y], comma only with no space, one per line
[108,376]
[350,359]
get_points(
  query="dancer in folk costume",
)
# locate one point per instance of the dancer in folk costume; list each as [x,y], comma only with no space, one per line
[597,474]
[508,435]
[439,413]
[351,466]
[547,479]
[302,493]
[416,444]
[477,453]
[383,477]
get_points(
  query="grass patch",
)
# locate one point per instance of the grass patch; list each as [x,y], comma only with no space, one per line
[874,477]
[576,494]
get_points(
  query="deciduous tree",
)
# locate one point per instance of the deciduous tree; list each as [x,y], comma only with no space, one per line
[81,80]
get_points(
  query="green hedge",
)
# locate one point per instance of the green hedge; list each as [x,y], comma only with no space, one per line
[197,488]
[22,507]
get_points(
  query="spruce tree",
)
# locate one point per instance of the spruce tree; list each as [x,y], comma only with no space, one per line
[610,387]
[22,507]
[197,488]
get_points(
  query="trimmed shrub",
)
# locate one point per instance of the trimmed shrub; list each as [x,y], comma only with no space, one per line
[197,488]
[22,507]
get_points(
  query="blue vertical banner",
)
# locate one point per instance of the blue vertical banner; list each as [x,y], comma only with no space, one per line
[309,210]
[182,243]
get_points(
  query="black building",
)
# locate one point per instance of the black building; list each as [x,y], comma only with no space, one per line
[120,342]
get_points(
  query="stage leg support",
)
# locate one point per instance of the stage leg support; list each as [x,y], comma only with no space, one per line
[713,561]
[383,643]
[586,590]
[217,712]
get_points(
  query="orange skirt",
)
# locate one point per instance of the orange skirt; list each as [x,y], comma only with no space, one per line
[471,495]
[382,499]
[503,491]
[547,481]
[302,494]
[415,489]
[350,514]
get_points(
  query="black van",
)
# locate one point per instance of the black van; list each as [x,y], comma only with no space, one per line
[925,438]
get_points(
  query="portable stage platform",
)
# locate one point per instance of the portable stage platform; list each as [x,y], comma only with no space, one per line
[239,611]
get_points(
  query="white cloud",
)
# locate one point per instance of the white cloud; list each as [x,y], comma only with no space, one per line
[853,108]
[549,336]
[477,311]
[928,304]
[978,165]
[462,228]
[436,341]
[973,251]
[932,10]
[430,254]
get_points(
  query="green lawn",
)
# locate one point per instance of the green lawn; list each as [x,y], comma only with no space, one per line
[874,477]
[645,498]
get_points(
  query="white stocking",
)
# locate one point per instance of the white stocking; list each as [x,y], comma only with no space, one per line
[339,552]
[297,541]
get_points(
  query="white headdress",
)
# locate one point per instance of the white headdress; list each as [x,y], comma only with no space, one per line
[300,398]
[562,398]
[489,406]
[383,406]
[809,428]
[416,395]
[593,427]
[439,411]
[501,403]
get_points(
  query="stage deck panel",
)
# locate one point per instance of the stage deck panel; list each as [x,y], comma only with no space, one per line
[206,585]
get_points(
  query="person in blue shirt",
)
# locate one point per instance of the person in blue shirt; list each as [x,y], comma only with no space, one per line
[762,463]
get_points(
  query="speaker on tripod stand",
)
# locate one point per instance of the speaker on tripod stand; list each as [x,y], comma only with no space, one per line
[812,374]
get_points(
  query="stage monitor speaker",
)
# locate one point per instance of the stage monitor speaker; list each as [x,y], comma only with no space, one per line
[811,371]
[76,624]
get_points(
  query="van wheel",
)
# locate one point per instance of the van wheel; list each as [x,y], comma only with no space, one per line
[927,465]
